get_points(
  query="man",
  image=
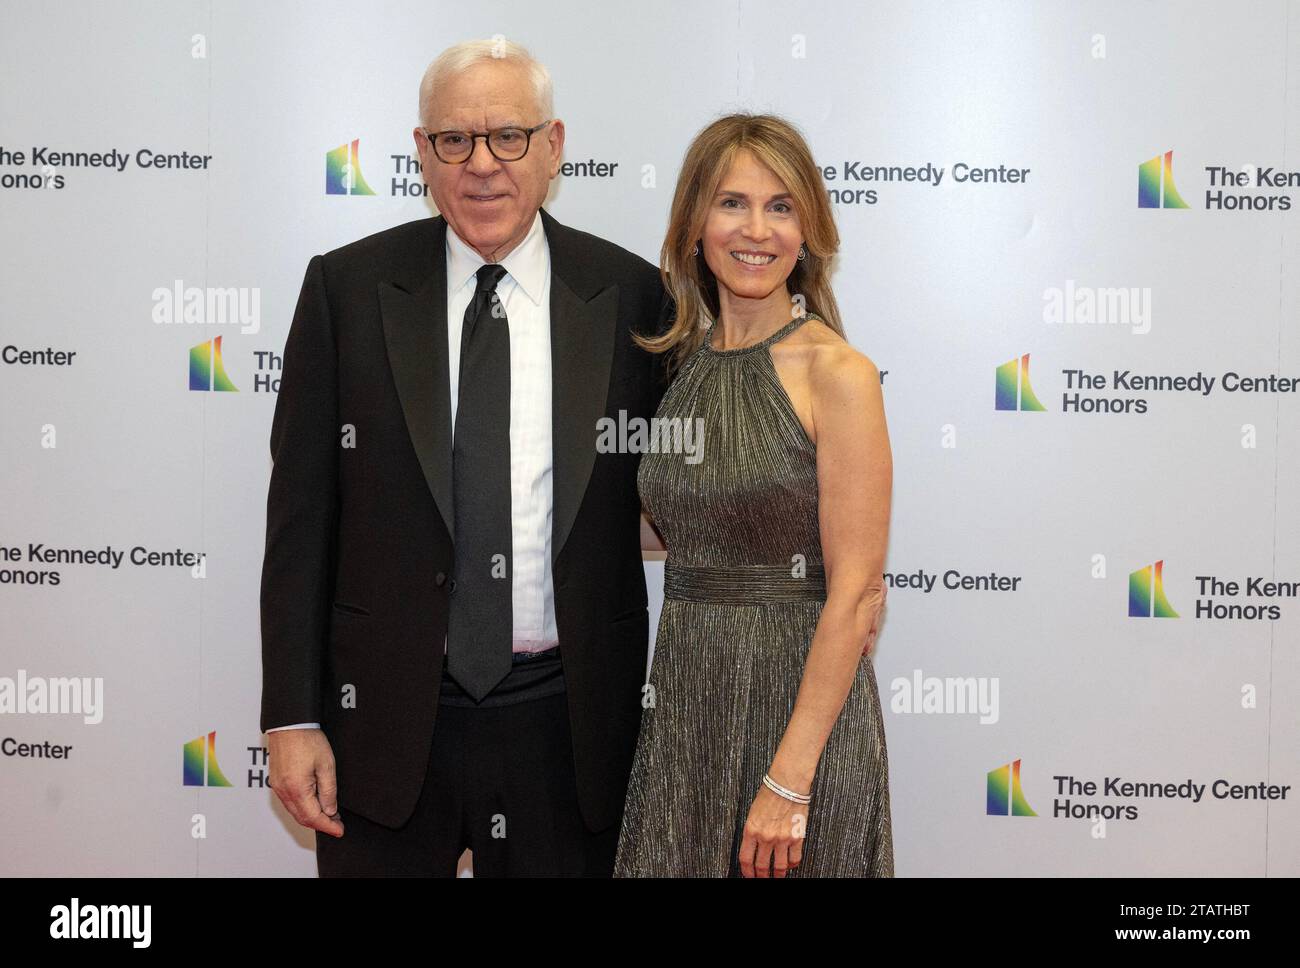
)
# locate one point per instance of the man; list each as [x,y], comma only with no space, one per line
[454,625]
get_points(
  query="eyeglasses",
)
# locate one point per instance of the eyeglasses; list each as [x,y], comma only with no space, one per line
[506,144]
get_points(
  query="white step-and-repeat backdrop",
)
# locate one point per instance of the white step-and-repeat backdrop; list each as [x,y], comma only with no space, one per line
[1071,241]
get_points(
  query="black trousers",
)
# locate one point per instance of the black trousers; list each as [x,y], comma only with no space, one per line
[500,782]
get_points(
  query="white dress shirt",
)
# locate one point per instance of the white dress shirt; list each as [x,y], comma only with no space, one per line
[525,291]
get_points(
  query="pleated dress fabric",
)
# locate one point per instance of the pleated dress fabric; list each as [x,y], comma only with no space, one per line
[743,589]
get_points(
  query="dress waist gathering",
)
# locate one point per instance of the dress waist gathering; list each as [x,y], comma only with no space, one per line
[745,584]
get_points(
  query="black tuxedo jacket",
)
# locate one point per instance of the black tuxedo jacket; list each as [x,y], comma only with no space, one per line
[358,564]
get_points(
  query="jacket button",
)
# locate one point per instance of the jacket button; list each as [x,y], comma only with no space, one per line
[440,579]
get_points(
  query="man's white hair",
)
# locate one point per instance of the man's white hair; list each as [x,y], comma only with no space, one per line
[464,55]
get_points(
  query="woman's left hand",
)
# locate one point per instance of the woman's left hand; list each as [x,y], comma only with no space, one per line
[772,841]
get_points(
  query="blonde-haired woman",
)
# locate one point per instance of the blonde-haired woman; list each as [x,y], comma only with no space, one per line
[762,745]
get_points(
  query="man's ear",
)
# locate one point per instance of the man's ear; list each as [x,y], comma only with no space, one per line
[555,136]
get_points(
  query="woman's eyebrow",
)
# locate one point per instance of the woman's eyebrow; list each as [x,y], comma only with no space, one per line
[742,195]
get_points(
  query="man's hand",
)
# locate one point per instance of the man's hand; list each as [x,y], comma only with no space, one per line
[302,776]
[875,620]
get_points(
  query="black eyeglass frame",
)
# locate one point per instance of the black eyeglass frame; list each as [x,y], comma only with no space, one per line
[487,139]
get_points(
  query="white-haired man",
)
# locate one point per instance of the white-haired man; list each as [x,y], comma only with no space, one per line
[454,625]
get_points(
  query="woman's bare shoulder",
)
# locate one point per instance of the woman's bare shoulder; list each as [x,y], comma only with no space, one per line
[834,365]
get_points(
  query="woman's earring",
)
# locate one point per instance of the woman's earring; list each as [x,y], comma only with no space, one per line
[696,250]
[803,253]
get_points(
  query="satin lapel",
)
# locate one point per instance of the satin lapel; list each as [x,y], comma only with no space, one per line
[584,318]
[414,310]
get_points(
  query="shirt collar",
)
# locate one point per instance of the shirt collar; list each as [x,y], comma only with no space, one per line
[526,264]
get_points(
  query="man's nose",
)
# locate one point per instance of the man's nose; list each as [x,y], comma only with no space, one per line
[481,160]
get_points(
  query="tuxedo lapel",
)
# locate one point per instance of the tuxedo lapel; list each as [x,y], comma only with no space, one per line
[584,317]
[414,309]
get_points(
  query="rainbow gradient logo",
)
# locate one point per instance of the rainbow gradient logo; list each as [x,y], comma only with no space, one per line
[199,764]
[343,171]
[1005,797]
[207,371]
[1012,390]
[1156,183]
[1146,593]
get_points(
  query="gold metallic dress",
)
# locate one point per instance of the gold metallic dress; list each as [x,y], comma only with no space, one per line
[743,588]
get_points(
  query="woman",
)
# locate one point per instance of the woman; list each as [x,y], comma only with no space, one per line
[762,746]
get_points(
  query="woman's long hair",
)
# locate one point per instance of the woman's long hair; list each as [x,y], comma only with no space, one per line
[691,284]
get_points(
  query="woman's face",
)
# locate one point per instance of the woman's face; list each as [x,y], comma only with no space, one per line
[752,233]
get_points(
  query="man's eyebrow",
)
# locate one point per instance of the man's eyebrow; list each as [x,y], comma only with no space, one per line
[499,124]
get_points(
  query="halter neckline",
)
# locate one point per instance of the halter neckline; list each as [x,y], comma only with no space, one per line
[781,333]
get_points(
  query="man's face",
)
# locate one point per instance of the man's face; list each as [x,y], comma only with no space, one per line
[490,204]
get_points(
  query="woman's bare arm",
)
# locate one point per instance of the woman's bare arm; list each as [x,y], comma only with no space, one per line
[855,481]
[651,540]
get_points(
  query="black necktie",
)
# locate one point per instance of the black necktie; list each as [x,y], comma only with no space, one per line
[480,622]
